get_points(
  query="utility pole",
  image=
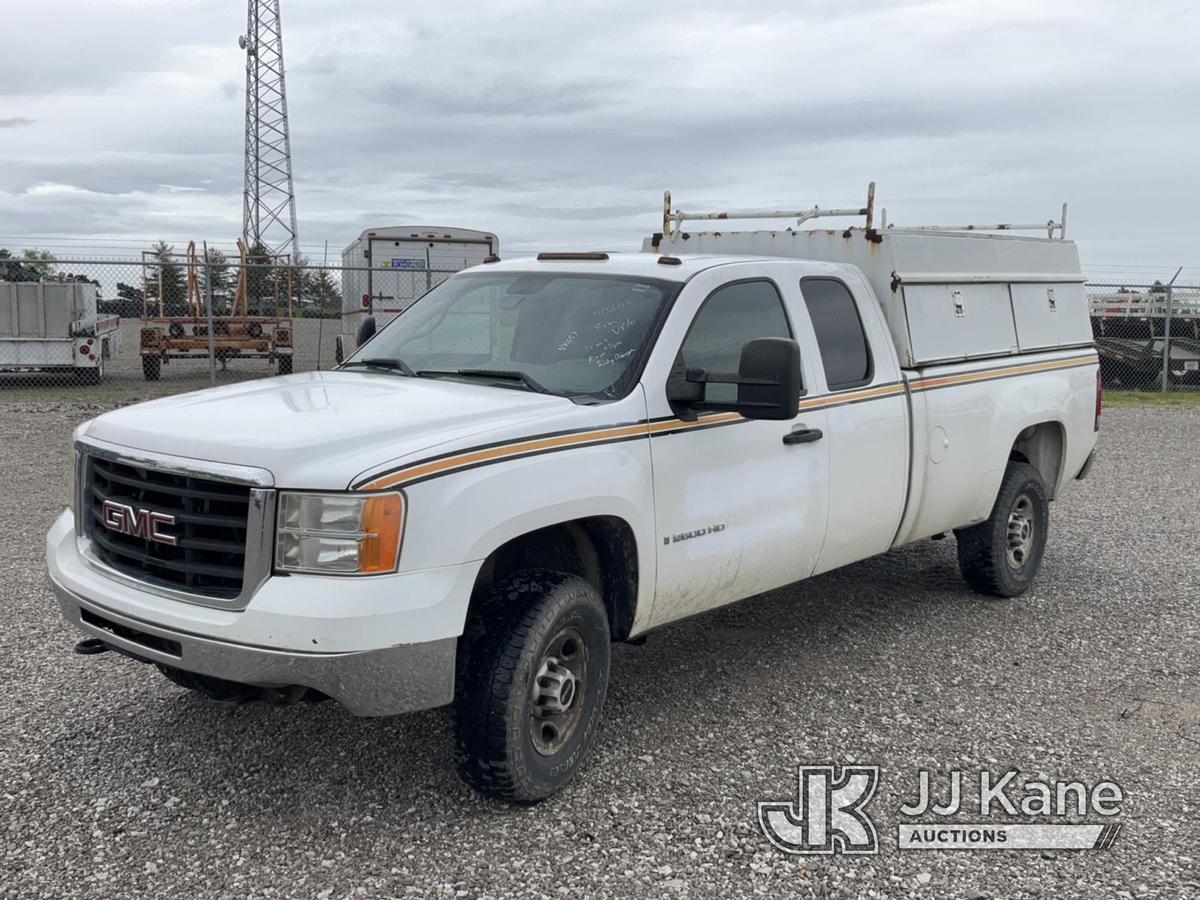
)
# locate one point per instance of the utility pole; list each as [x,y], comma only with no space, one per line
[269,202]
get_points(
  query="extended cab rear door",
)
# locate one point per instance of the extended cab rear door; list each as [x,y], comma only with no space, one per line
[867,427]
[737,510]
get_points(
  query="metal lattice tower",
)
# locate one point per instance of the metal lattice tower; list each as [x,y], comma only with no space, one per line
[269,202]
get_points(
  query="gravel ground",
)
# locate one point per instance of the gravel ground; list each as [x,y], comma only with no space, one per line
[115,783]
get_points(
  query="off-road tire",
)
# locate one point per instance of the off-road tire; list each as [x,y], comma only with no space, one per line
[500,655]
[151,367]
[984,549]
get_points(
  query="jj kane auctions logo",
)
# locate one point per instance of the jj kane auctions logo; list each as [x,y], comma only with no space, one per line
[829,813]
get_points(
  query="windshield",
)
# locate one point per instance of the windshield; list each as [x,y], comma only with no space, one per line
[572,335]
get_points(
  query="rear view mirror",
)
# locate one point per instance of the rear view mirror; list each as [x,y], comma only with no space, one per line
[768,378]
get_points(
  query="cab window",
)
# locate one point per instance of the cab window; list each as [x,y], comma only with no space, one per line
[730,318]
[839,331]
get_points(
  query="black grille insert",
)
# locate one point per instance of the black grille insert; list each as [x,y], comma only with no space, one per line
[209,556]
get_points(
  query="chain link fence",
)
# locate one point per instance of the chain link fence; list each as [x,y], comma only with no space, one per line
[124,330]
[1148,336]
[117,331]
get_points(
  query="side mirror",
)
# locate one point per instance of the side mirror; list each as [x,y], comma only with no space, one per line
[685,390]
[366,330]
[768,378]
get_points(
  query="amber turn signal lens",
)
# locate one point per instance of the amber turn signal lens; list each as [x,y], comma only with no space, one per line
[382,527]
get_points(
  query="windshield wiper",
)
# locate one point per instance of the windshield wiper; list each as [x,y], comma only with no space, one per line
[498,374]
[379,363]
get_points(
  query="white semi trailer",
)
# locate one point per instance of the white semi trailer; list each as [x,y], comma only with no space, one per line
[385,269]
[54,327]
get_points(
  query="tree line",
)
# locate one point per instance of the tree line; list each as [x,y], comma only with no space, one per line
[31,265]
[314,292]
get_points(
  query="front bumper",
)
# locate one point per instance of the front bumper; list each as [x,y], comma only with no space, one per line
[379,646]
[383,682]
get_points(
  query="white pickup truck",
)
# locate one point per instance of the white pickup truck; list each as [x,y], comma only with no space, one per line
[544,456]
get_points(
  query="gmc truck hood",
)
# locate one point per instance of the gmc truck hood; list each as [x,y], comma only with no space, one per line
[321,429]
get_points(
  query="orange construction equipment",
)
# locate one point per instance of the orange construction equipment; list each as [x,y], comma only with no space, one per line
[177,327]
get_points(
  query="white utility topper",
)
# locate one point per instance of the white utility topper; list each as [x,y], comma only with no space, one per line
[543,456]
[948,292]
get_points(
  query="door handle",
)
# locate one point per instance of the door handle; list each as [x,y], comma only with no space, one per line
[802,435]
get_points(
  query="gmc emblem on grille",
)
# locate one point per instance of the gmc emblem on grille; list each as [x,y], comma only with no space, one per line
[143,523]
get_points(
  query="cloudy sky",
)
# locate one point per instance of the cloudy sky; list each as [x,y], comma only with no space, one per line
[560,124]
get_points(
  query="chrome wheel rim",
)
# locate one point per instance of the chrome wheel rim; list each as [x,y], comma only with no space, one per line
[1020,533]
[558,692]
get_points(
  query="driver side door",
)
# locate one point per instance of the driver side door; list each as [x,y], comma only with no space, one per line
[738,511]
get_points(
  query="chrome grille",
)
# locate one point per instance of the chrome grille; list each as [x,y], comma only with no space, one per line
[211,526]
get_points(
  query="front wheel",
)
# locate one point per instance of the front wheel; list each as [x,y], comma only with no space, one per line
[532,677]
[1002,555]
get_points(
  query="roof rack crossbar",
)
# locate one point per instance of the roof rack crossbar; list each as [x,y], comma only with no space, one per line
[1050,227]
[672,218]
[675,216]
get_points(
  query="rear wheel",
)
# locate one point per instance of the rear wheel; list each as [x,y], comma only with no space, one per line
[532,677]
[151,367]
[1002,556]
[92,375]
[1179,374]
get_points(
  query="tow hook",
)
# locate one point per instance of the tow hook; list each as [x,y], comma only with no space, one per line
[91,646]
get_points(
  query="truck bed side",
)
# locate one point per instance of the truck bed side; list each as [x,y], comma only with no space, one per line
[970,419]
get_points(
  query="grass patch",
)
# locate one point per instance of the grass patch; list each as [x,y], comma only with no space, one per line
[1152,398]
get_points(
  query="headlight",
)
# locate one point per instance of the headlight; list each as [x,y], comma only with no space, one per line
[339,534]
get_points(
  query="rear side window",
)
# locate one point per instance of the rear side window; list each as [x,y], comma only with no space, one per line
[730,318]
[839,331]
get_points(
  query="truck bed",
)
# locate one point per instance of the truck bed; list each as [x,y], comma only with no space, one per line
[964,417]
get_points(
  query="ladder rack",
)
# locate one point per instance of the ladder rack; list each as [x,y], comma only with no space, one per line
[673,218]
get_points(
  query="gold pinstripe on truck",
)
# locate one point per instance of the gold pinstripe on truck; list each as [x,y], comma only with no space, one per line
[938,381]
[460,460]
